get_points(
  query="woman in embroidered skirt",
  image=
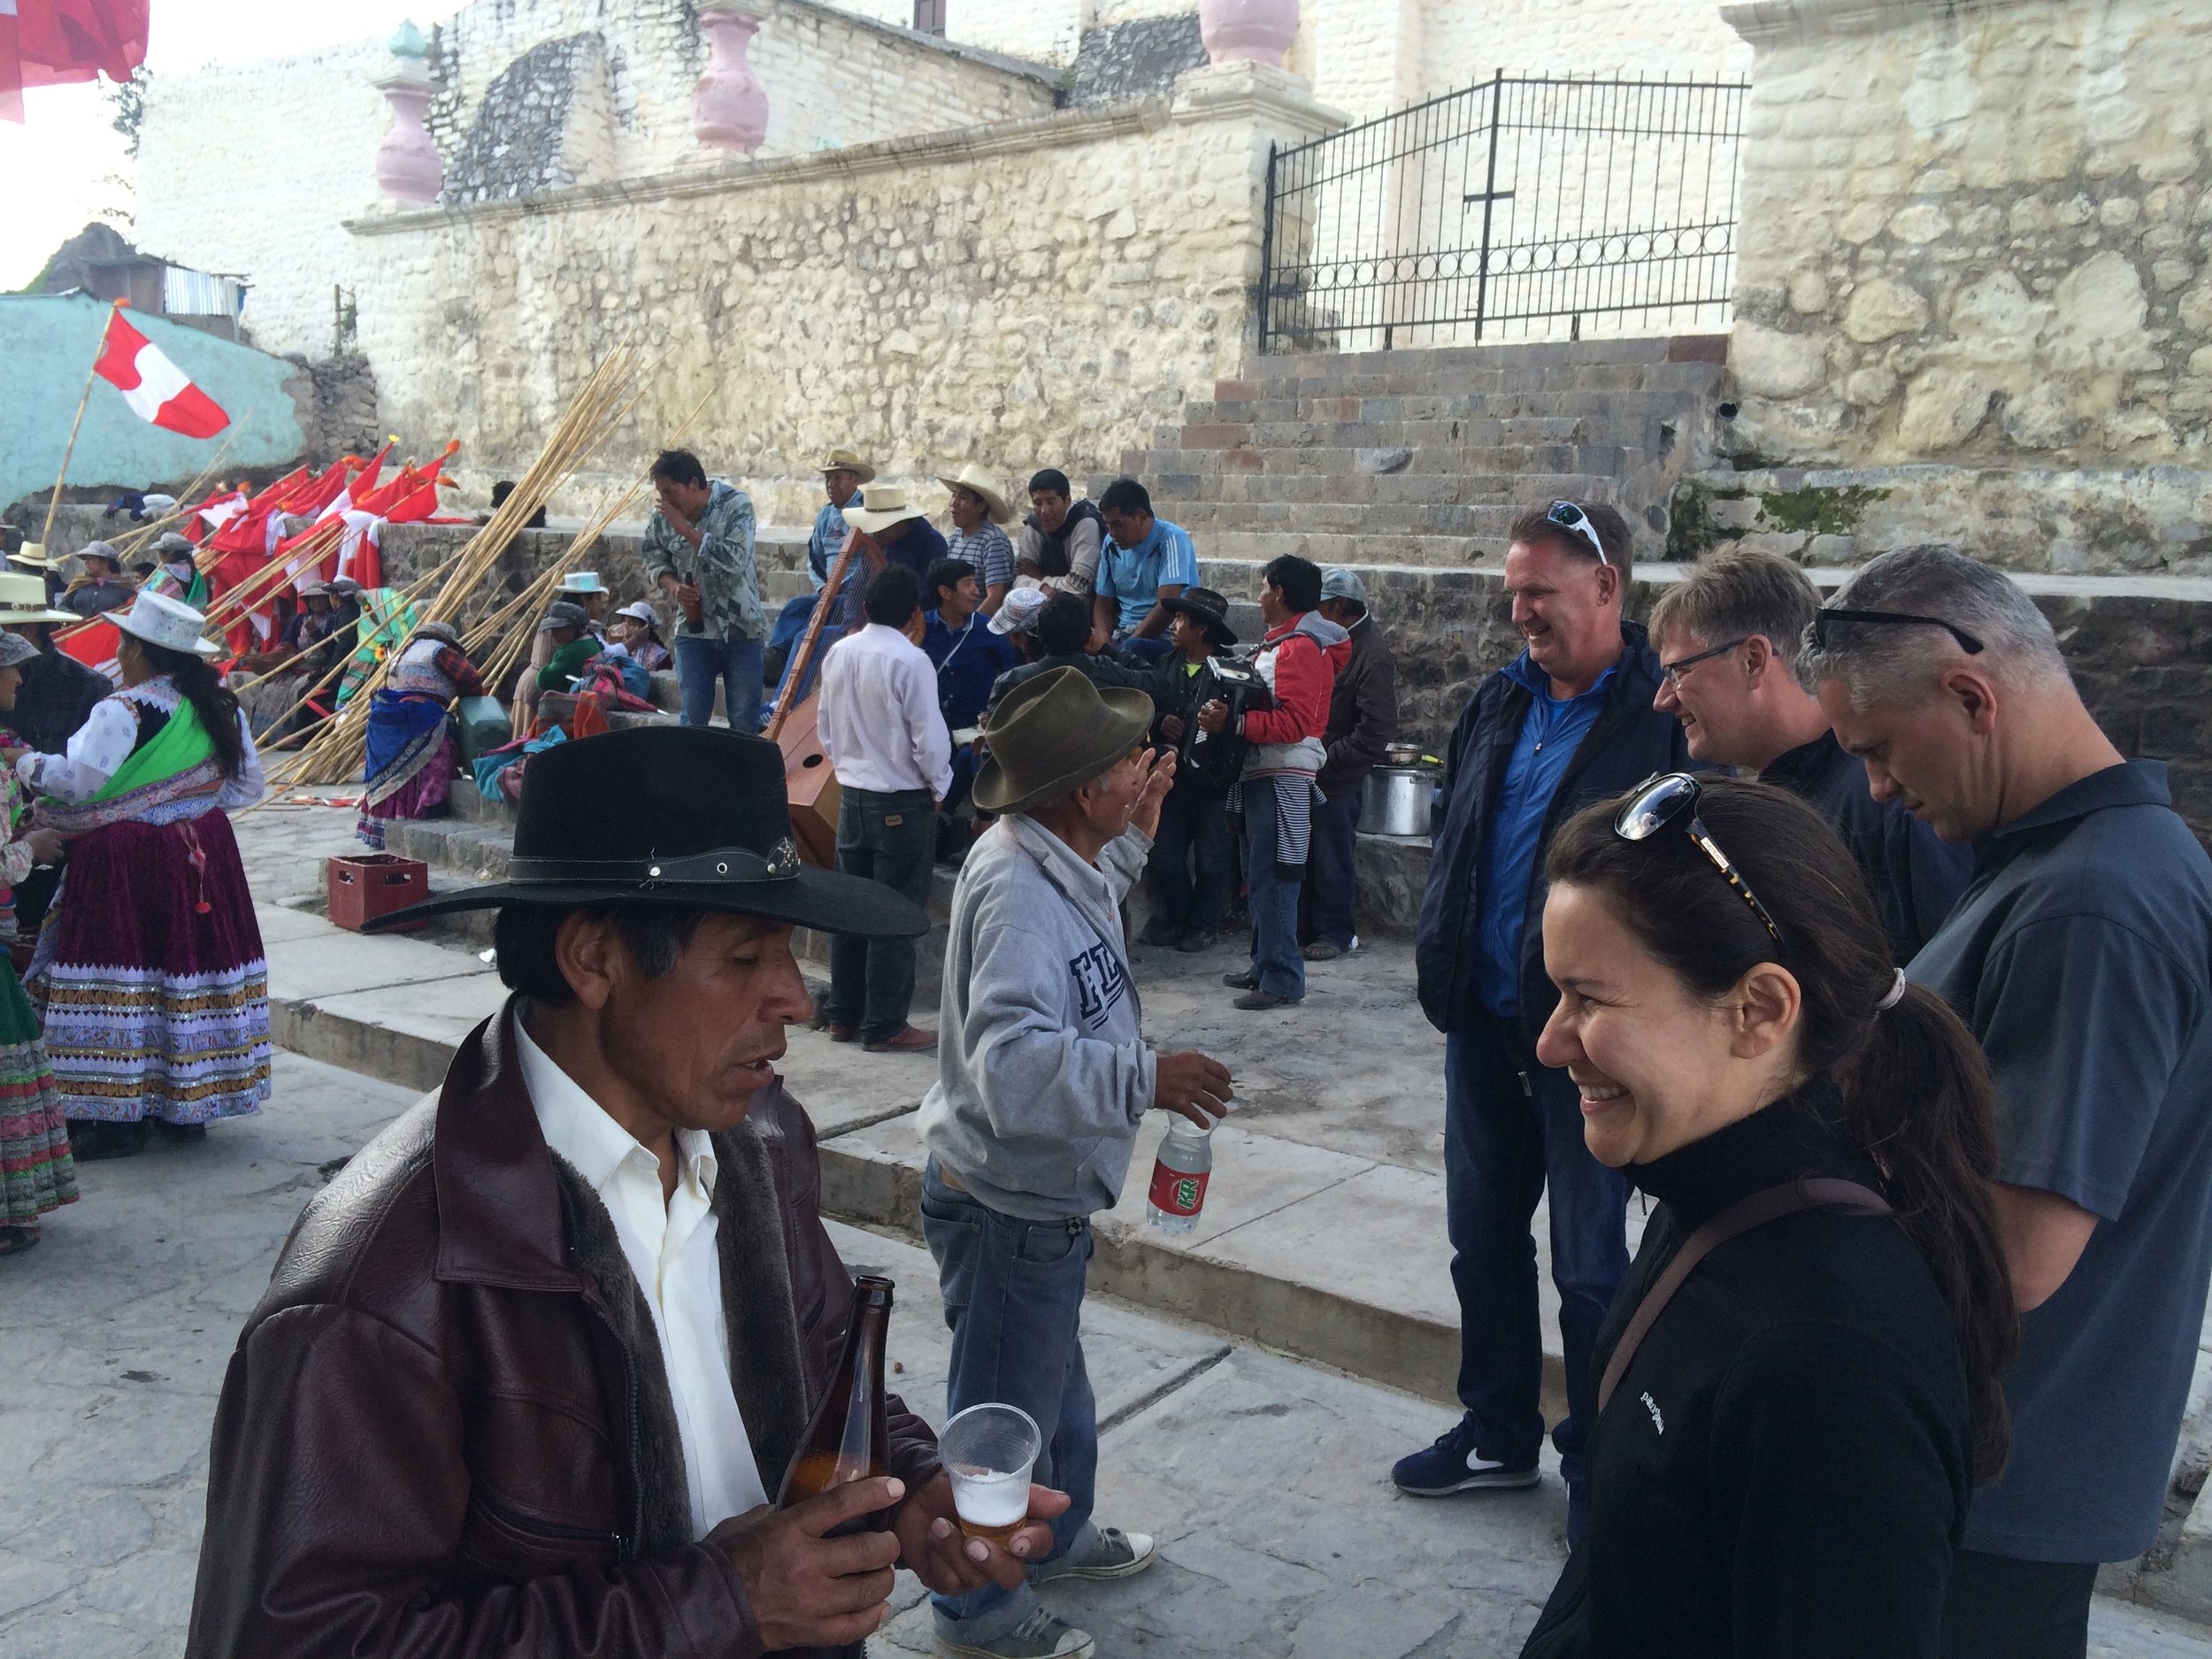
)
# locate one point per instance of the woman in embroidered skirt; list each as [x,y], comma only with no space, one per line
[149,977]
[36,1171]
[410,759]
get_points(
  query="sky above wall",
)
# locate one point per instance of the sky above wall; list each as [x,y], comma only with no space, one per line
[65,165]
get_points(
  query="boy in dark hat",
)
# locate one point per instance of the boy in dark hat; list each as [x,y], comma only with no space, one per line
[527,1371]
[1189,866]
[1039,1031]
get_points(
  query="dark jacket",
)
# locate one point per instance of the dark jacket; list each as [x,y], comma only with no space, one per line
[1363,711]
[1631,740]
[57,697]
[1916,876]
[1785,1468]
[1099,670]
[95,597]
[1183,694]
[445,1430]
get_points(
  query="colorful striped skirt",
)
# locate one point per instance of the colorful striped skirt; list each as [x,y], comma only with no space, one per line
[36,1171]
[149,980]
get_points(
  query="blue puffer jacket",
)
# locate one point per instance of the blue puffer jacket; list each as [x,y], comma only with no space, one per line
[1631,740]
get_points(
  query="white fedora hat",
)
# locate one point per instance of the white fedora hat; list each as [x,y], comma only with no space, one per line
[881,506]
[23,599]
[973,478]
[169,623]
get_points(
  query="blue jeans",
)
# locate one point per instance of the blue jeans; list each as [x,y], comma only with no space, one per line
[1194,830]
[891,838]
[1013,1296]
[1512,1128]
[736,663]
[1276,967]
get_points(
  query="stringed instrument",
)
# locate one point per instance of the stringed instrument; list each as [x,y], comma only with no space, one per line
[810,781]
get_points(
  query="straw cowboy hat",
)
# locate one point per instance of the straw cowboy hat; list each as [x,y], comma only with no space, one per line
[1053,735]
[881,506]
[688,817]
[34,554]
[846,461]
[23,600]
[169,623]
[973,477]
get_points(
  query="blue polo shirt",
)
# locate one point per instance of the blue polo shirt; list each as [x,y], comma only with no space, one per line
[1549,738]
[2081,957]
[1134,576]
[968,662]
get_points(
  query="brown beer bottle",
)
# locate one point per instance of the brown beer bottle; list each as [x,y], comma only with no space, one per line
[847,1439]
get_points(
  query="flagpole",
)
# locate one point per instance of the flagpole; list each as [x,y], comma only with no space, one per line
[45,537]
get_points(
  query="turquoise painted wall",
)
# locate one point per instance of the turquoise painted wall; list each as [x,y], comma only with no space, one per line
[47,345]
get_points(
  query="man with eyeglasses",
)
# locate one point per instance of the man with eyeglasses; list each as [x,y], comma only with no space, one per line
[1569,721]
[2081,958]
[1728,633]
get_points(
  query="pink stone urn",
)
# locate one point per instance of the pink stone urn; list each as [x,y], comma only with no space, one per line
[408,165]
[1254,31]
[729,107]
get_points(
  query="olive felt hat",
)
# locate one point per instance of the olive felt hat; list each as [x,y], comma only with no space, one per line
[688,817]
[1055,734]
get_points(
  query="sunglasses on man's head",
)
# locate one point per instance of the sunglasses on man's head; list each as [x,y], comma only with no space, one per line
[1571,518]
[1827,617]
[1668,799]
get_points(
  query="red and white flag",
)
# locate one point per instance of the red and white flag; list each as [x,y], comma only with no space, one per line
[156,389]
[52,43]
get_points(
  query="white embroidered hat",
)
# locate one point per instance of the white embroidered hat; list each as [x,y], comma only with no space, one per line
[169,623]
[582,582]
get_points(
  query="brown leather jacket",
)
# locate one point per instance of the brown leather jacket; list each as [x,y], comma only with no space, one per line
[446,1430]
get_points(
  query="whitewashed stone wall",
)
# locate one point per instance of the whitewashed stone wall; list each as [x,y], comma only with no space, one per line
[1041,293]
[253,169]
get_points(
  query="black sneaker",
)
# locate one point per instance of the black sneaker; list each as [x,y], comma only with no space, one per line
[92,1138]
[1455,1464]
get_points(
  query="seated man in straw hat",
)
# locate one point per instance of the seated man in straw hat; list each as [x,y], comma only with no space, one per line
[978,508]
[529,1371]
[1042,1078]
[843,473]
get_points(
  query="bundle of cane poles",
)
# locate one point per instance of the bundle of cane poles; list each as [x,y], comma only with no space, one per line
[592,417]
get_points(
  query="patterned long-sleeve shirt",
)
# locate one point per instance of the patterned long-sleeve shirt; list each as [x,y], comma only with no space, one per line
[722,564]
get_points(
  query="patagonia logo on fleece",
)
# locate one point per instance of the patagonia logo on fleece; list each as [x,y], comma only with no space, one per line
[1100,982]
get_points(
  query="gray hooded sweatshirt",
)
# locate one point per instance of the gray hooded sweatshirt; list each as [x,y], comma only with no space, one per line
[1042,1072]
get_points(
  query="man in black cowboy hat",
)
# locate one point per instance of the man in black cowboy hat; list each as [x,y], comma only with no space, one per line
[1189,866]
[1042,1077]
[526,1372]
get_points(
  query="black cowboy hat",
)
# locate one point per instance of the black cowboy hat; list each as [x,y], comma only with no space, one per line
[679,816]
[1208,607]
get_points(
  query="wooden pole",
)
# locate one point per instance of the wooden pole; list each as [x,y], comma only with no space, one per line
[91,375]
[802,655]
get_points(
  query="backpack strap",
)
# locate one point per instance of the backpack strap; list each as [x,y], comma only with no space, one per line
[1770,1204]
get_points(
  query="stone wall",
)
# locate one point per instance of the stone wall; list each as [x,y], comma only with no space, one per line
[1041,292]
[1973,283]
[580,91]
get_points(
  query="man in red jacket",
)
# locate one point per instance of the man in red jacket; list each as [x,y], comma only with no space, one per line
[1298,661]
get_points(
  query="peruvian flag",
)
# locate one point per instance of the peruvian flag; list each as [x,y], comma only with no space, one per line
[156,389]
[49,42]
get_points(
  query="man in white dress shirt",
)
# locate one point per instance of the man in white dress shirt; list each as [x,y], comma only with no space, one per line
[528,1372]
[885,737]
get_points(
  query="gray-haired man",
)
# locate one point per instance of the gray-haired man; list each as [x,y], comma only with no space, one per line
[2081,955]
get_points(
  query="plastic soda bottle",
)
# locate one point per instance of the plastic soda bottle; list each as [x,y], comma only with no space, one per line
[1179,1175]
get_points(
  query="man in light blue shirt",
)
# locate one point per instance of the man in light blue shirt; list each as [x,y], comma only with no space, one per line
[1145,561]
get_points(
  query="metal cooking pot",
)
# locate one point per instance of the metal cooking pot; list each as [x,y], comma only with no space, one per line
[1395,800]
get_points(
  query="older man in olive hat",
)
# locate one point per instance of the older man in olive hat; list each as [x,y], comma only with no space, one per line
[529,1371]
[1042,1078]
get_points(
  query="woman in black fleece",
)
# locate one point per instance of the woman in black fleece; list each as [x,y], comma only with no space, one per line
[1782,1463]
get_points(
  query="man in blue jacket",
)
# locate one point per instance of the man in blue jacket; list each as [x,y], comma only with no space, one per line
[1567,722]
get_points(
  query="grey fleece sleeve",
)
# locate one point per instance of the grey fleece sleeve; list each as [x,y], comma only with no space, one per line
[1042,1082]
[1122,860]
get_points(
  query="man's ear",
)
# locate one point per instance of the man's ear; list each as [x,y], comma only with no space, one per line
[590,956]
[1977,695]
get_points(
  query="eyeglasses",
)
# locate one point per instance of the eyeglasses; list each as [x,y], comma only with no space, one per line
[1825,618]
[1672,798]
[1673,671]
[1569,517]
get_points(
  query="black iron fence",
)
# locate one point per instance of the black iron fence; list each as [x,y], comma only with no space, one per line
[1531,208]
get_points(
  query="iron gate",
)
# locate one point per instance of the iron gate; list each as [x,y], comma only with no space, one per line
[1536,207]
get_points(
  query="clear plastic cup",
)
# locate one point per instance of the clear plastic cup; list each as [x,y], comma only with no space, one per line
[989,1450]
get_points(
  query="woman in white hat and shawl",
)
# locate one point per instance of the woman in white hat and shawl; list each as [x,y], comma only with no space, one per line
[149,978]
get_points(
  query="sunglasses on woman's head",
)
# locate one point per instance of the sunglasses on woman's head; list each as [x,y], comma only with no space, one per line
[1669,799]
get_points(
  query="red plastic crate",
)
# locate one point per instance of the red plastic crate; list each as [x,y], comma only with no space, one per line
[369,884]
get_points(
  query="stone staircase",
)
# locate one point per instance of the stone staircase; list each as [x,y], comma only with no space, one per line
[1425,457]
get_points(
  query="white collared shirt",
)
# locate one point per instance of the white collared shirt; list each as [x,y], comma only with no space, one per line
[671,1249]
[879,719]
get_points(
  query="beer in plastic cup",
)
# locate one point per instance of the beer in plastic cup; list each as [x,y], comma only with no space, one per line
[988,1451]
